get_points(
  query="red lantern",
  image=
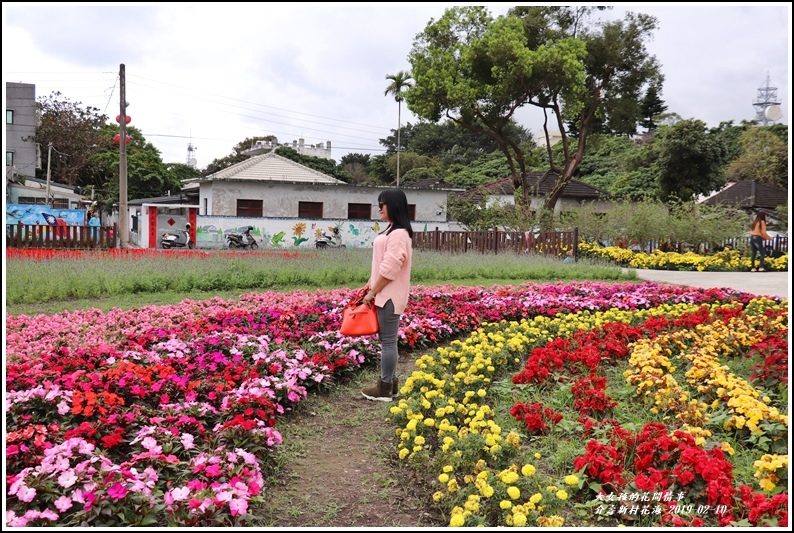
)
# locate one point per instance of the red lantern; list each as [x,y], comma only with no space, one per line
[117,139]
[127,119]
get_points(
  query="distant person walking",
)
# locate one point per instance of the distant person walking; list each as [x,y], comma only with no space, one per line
[758,235]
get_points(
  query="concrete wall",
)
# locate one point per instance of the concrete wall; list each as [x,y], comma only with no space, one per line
[270,233]
[21,99]
[280,200]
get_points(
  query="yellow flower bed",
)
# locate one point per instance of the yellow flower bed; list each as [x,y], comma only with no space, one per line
[727,260]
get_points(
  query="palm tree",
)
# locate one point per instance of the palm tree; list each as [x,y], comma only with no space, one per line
[399,81]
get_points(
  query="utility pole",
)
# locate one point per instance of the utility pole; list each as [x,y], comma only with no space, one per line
[123,210]
[49,159]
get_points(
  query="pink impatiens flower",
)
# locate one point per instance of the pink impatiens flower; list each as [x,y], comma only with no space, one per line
[213,470]
[117,491]
[238,506]
[63,504]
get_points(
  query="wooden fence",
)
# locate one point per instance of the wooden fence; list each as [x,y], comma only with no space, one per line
[61,237]
[498,242]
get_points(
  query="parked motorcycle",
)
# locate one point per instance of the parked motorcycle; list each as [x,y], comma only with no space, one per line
[326,241]
[179,239]
[246,240]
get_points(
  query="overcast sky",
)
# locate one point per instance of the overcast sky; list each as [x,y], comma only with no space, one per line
[214,74]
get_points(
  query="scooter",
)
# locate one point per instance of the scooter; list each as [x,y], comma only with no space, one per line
[179,239]
[246,240]
[325,241]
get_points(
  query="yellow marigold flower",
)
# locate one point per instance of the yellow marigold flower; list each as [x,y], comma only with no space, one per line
[419,440]
[481,393]
[437,496]
[443,478]
[448,468]
[562,495]
[457,520]
[528,470]
[487,491]
[552,521]
[404,453]
[571,480]
[505,504]
[535,498]
[537,455]
[519,519]
[453,486]
[508,478]
[514,493]
[767,484]
[429,422]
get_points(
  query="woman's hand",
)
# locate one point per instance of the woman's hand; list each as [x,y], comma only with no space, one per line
[368,298]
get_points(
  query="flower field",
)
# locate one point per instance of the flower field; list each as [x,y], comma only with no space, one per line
[555,404]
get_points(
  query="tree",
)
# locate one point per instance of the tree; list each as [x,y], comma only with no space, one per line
[764,158]
[477,71]
[399,82]
[690,161]
[147,175]
[182,172]
[320,164]
[652,106]
[237,155]
[75,133]
[357,165]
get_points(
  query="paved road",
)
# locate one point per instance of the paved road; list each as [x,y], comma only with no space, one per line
[759,283]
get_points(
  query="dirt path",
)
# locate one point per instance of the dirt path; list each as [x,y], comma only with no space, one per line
[339,466]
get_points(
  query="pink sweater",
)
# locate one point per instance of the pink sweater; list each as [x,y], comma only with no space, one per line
[391,258]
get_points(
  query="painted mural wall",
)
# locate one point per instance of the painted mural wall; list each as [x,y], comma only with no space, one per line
[290,233]
[43,215]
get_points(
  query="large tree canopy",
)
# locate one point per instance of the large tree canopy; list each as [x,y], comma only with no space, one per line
[477,71]
[75,133]
[690,160]
[85,155]
[764,158]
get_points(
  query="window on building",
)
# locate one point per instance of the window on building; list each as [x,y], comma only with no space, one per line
[310,209]
[60,203]
[36,200]
[9,158]
[411,211]
[9,116]
[359,211]
[249,208]
[205,207]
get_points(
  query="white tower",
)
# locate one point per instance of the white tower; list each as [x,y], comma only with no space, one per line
[767,105]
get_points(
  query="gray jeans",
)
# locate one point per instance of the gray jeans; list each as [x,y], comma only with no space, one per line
[756,247]
[389,324]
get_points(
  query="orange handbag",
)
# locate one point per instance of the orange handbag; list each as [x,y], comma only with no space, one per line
[358,318]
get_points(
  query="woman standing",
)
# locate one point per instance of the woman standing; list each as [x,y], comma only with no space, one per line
[388,285]
[758,235]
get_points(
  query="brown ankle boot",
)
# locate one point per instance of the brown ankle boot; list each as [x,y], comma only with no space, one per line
[395,389]
[380,392]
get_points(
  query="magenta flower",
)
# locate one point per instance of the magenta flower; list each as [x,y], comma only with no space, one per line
[213,471]
[117,491]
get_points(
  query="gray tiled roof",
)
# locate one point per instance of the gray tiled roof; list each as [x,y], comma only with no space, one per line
[539,183]
[750,194]
[272,167]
